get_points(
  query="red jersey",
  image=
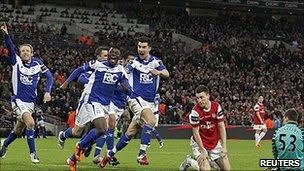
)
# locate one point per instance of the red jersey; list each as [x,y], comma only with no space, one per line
[258,109]
[207,121]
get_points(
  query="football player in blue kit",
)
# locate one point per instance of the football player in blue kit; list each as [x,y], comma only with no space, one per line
[144,75]
[25,78]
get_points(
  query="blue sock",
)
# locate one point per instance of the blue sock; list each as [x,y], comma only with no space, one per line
[157,135]
[110,138]
[99,144]
[11,137]
[83,136]
[145,138]
[30,140]
[66,134]
[88,139]
[123,141]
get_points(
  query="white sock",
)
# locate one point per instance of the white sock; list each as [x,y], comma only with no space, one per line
[114,150]
[193,163]
[257,138]
[143,147]
[262,134]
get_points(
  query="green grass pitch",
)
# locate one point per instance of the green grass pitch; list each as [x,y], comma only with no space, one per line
[242,155]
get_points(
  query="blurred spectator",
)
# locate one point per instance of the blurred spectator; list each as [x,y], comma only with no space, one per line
[40,124]
[89,41]
[63,29]
[269,123]
[277,119]
[71,118]
[82,39]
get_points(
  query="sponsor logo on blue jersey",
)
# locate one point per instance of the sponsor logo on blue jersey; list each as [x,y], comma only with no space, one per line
[146,78]
[26,79]
[110,78]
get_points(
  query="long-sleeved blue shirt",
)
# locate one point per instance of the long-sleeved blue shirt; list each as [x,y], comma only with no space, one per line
[26,76]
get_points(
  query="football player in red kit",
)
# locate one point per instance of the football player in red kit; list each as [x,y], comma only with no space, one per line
[258,121]
[208,142]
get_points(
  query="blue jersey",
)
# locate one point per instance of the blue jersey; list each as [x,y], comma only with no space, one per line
[26,76]
[288,143]
[104,81]
[84,78]
[119,97]
[142,81]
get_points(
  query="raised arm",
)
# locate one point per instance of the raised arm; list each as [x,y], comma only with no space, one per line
[12,58]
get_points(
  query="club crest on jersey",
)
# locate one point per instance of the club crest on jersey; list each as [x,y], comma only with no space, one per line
[207,125]
[26,79]
[110,78]
[146,78]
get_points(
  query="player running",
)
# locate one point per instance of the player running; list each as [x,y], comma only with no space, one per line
[26,75]
[145,71]
[78,130]
[102,83]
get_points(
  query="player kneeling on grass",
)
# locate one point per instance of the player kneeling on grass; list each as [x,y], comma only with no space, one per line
[208,142]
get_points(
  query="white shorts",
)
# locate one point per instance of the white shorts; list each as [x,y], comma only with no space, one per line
[213,154]
[83,111]
[259,127]
[116,111]
[20,107]
[137,105]
[89,112]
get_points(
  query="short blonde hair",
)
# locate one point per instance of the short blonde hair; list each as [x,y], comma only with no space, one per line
[26,44]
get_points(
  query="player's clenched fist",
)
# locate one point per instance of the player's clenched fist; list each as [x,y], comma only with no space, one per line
[4,28]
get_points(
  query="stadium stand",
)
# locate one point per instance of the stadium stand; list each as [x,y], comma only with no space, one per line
[233,59]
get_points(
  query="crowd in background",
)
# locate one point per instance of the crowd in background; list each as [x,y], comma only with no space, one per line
[232,62]
[223,26]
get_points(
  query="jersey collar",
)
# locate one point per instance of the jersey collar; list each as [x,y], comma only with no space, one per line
[292,122]
[146,61]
